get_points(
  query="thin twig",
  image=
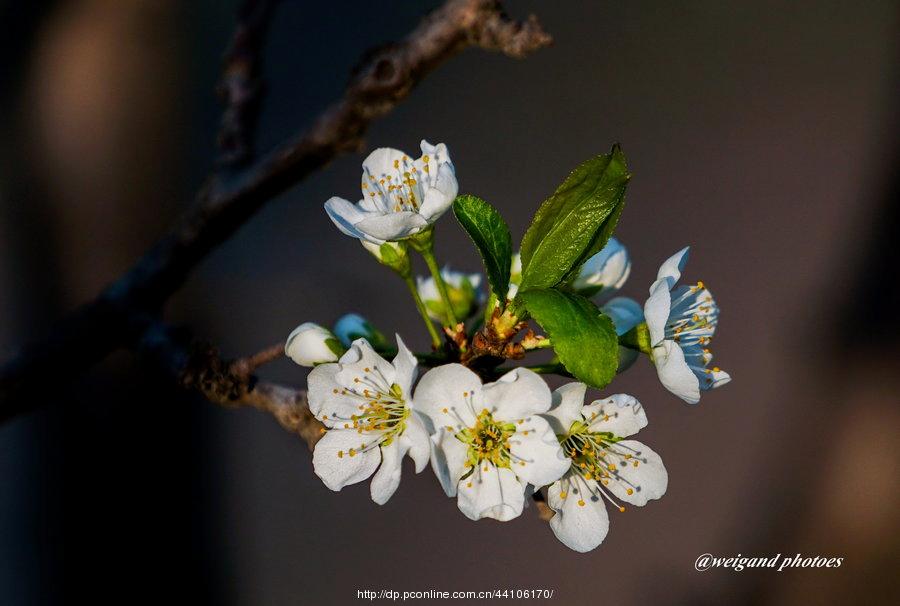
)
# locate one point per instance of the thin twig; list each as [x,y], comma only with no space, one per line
[117,318]
[199,367]
[245,366]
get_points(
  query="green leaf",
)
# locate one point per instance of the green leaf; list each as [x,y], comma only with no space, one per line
[491,236]
[583,338]
[575,222]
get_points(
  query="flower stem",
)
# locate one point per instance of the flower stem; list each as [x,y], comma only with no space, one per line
[435,337]
[424,244]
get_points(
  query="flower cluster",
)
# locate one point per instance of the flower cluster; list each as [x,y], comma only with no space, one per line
[497,435]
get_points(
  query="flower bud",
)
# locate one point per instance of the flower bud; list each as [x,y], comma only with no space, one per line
[391,254]
[605,272]
[350,327]
[310,344]
[463,289]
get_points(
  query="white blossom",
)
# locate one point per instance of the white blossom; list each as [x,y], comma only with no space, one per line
[400,196]
[490,441]
[681,323]
[366,404]
[604,466]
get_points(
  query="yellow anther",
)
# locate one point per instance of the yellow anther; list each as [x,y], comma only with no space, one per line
[340,454]
[563,495]
[581,502]
[630,491]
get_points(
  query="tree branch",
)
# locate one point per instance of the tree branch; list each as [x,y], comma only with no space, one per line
[117,317]
[199,367]
[241,87]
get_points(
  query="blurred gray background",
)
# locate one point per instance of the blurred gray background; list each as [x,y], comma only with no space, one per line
[763,134]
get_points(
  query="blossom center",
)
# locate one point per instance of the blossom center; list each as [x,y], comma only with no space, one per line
[590,452]
[693,316]
[488,441]
[383,412]
[400,190]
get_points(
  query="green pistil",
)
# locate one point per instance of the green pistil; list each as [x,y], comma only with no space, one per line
[488,442]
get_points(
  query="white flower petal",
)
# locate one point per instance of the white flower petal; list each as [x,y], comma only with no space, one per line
[516,395]
[656,311]
[636,484]
[715,378]
[333,463]
[387,478]
[580,527]
[419,442]
[670,270]
[393,226]
[610,268]
[440,196]
[451,387]
[674,373]
[327,400]
[381,162]
[362,368]
[619,414]
[448,460]
[495,493]
[566,409]
[625,313]
[537,456]
[345,216]
[405,365]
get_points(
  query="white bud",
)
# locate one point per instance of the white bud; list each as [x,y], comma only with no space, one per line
[353,326]
[606,271]
[464,291]
[309,345]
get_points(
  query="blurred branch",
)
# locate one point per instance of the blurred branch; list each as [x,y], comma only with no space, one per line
[199,367]
[241,86]
[117,318]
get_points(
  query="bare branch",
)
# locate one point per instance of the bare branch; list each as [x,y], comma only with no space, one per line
[199,367]
[241,87]
[117,317]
